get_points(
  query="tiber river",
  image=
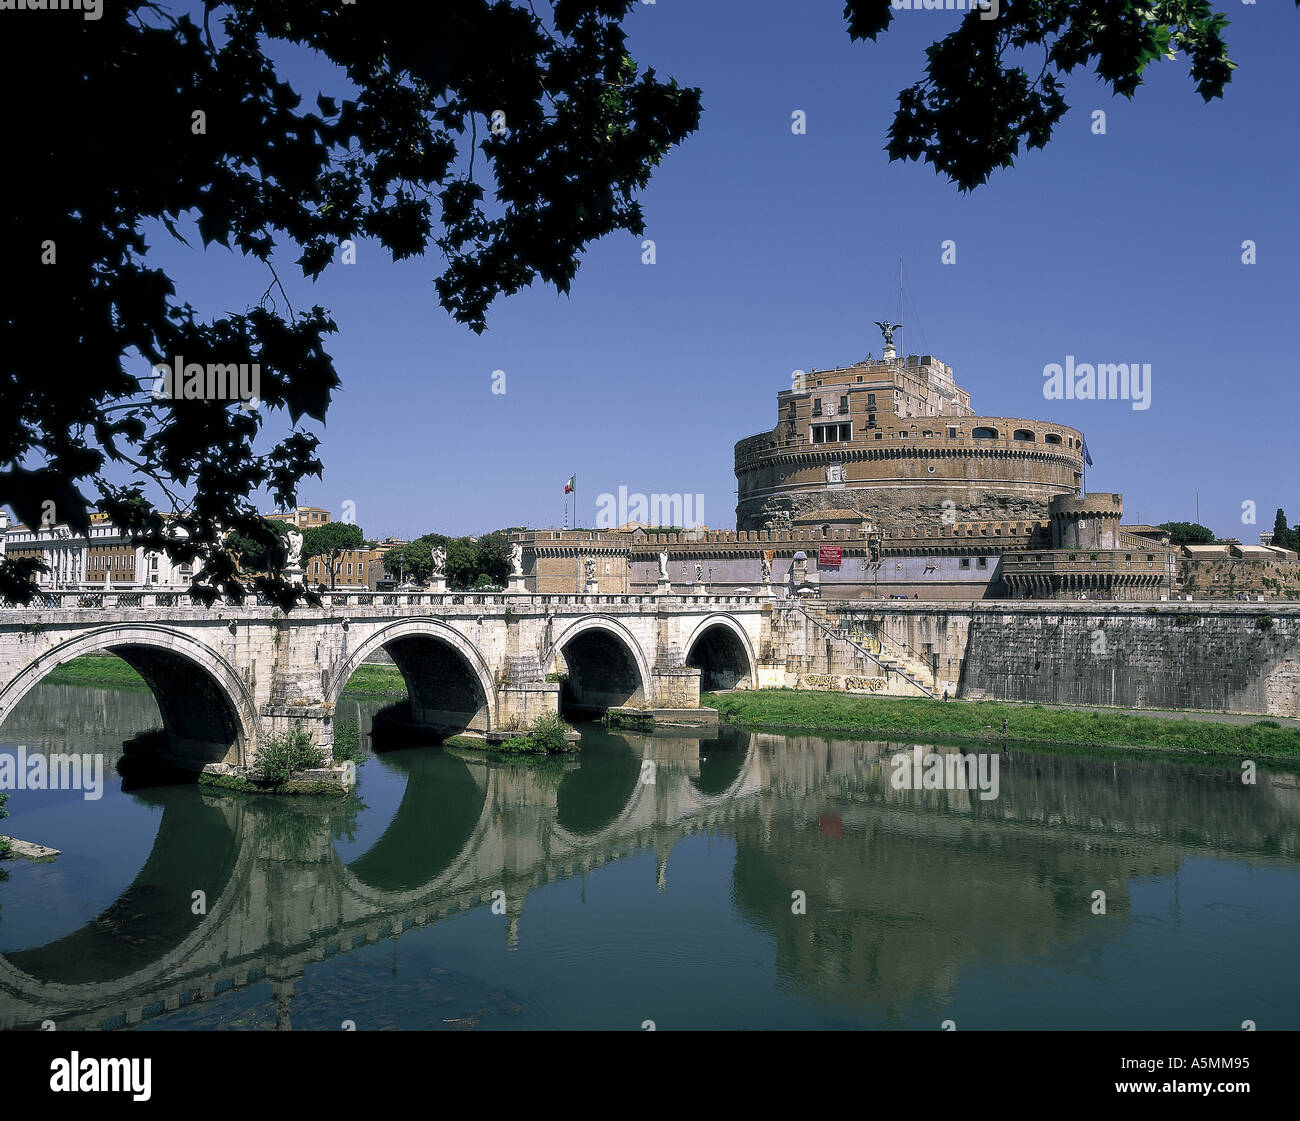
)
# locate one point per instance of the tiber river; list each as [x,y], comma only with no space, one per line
[759,881]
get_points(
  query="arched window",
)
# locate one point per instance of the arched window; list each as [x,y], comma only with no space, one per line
[1022,434]
[985,433]
[826,531]
[1052,438]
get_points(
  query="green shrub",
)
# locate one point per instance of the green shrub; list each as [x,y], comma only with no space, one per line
[1264,622]
[4,845]
[1184,620]
[550,734]
[519,745]
[547,736]
[282,756]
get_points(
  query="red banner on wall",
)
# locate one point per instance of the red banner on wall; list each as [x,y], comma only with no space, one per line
[829,556]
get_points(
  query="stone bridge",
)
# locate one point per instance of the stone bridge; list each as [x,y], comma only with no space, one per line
[225,677]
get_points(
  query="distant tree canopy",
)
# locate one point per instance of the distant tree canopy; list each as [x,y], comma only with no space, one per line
[1188,533]
[329,542]
[152,121]
[477,562]
[1282,536]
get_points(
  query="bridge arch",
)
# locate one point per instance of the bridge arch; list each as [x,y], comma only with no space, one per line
[721,649]
[606,664]
[207,710]
[429,653]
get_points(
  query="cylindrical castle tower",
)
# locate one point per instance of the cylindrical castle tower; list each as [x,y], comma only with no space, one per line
[899,442]
[1089,521]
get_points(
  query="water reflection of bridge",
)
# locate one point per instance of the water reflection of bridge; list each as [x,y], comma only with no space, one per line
[280,898]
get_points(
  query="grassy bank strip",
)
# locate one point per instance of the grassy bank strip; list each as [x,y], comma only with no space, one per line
[97,671]
[375,681]
[913,718]
[102,672]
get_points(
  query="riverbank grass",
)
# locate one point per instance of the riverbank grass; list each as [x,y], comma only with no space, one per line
[108,672]
[919,718]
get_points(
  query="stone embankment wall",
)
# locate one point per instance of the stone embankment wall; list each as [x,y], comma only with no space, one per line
[1227,577]
[1219,657]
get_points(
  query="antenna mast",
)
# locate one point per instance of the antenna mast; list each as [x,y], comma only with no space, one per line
[900,304]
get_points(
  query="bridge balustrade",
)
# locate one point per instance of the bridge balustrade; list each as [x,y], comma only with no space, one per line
[84,599]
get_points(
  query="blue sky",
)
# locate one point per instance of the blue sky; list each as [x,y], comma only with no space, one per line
[776,252]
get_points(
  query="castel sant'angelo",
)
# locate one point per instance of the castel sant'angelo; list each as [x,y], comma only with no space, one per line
[879,480]
[897,441]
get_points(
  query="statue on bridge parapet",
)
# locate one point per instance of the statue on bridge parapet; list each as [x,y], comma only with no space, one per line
[438,569]
[293,562]
[664,587]
[516,585]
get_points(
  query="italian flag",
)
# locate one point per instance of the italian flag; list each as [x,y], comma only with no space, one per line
[571,485]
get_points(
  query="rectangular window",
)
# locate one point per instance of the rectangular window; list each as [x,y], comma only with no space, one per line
[871,399]
[983,562]
[965,562]
[846,431]
[844,404]
[952,431]
[349,568]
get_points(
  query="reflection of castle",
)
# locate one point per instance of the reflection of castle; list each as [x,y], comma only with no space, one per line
[879,481]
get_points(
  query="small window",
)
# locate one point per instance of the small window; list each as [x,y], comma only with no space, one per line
[952,431]
[846,432]
[1051,438]
[903,435]
[826,531]
[985,433]
[871,400]
[1022,434]
[965,562]
[983,562]
[844,403]
[877,435]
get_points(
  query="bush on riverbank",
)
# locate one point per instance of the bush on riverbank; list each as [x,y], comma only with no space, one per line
[919,717]
[549,735]
[4,813]
[283,755]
